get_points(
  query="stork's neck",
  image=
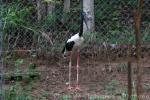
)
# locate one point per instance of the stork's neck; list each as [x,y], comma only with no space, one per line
[81,26]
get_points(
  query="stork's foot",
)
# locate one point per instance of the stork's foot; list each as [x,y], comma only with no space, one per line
[69,87]
[78,88]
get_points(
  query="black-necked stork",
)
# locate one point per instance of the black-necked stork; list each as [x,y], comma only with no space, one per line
[74,44]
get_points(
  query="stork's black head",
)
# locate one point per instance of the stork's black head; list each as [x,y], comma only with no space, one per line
[68,48]
[83,16]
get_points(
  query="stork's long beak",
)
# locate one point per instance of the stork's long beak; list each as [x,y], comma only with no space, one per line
[85,19]
[86,24]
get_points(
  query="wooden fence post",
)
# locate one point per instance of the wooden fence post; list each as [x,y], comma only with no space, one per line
[138,15]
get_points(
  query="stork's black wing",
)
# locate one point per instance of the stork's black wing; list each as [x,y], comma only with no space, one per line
[68,46]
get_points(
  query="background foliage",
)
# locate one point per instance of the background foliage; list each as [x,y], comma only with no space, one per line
[114,23]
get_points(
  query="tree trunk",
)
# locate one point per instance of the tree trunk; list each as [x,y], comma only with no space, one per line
[41,11]
[66,5]
[88,8]
[39,16]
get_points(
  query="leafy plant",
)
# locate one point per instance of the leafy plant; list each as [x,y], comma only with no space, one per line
[32,72]
[16,92]
[18,64]
[16,15]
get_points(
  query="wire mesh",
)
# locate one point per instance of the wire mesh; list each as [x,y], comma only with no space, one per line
[35,32]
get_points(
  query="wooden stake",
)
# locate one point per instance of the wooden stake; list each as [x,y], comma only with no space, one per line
[138,15]
[129,73]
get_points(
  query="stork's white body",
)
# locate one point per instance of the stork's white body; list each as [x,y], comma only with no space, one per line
[77,39]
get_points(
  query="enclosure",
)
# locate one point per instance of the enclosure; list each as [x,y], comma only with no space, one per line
[33,33]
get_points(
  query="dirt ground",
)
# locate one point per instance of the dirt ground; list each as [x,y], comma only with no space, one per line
[97,80]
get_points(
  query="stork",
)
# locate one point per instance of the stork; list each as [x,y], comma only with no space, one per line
[74,44]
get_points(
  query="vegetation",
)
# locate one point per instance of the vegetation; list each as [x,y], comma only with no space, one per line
[21,24]
[17,92]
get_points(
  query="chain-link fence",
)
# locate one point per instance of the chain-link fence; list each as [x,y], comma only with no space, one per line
[35,32]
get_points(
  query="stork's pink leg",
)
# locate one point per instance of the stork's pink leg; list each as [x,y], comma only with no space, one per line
[78,60]
[70,65]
